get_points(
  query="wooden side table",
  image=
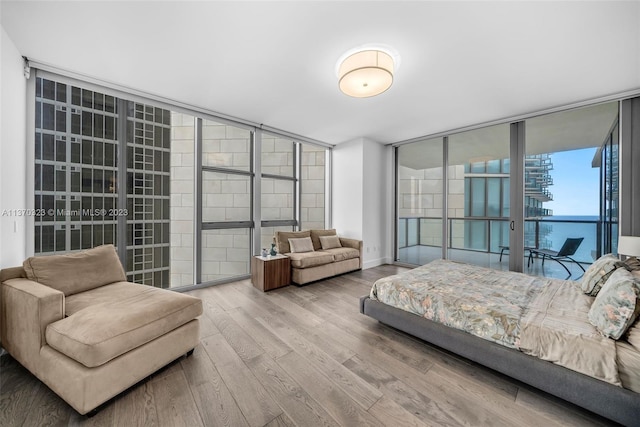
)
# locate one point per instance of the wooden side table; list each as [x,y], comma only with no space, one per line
[270,272]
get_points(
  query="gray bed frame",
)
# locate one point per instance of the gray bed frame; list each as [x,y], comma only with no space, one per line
[612,402]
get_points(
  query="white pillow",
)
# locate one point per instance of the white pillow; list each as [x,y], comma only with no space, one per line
[303,244]
[330,242]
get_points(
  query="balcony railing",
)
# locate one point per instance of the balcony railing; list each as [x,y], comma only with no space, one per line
[490,234]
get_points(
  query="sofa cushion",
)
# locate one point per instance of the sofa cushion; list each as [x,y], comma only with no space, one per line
[78,271]
[104,331]
[300,245]
[113,292]
[315,237]
[340,254]
[310,259]
[282,239]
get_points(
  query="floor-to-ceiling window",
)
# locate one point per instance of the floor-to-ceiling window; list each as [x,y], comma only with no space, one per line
[293,177]
[279,160]
[226,192]
[478,202]
[174,190]
[419,201]
[607,161]
[313,180]
[182,200]
[575,182]
[569,167]
[102,175]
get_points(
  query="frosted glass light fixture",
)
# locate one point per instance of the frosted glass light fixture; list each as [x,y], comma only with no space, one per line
[365,73]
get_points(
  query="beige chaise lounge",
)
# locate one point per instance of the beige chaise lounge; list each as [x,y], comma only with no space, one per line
[76,323]
[325,255]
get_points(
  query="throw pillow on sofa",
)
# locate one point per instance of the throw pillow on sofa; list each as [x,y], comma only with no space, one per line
[300,245]
[330,242]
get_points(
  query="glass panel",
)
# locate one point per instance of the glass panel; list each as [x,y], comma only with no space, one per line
[277,199]
[477,161]
[225,146]
[566,159]
[494,197]
[413,232]
[182,199]
[419,190]
[431,232]
[74,186]
[478,204]
[312,185]
[225,197]
[148,198]
[277,155]
[267,234]
[402,233]
[225,254]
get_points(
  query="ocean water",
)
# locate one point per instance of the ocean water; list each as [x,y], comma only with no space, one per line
[558,232]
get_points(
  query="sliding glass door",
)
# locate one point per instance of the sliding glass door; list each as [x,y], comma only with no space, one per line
[478,206]
[571,169]
[420,201]
[510,190]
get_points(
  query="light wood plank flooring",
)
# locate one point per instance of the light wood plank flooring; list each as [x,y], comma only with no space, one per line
[301,356]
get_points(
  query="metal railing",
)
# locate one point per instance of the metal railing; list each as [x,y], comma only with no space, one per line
[491,235]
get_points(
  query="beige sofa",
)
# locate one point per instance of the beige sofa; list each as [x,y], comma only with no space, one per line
[315,263]
[76,323]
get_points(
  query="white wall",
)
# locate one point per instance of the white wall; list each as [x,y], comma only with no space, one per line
[377,212]
[347,188]
[13,154]
[362,197]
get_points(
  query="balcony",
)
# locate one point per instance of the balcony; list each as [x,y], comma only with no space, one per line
[481,240]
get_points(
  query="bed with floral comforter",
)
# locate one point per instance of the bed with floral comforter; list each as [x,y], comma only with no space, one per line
[542,317]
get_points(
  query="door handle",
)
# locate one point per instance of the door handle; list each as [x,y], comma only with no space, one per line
[512,225]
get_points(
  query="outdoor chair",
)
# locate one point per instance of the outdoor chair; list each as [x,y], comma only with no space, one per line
[565,253]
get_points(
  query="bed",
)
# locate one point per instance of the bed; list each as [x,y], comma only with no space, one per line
[545,332]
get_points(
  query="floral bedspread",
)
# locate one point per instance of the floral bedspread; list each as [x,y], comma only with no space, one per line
[484,302]
[543,317]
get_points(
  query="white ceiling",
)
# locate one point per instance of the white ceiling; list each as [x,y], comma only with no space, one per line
[574,129]
[462,63]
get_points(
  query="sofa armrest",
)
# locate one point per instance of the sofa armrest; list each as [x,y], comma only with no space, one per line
[352,243]
[28,307]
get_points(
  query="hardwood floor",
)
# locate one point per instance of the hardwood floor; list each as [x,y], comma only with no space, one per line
[301,356]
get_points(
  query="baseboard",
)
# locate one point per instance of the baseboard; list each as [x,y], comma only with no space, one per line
[376,262]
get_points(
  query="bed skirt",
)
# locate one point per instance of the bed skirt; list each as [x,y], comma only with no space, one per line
[615,403]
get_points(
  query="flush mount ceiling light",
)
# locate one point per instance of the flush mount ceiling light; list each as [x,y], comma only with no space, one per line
[367,71]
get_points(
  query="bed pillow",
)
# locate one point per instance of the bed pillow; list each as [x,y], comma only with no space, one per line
[632,263]
[303,244]
[633,335]
[330,242]
[616,306]
[598,273]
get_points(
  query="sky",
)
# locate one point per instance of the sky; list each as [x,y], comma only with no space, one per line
[576,185]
